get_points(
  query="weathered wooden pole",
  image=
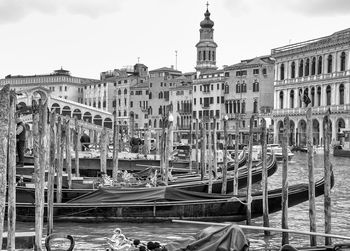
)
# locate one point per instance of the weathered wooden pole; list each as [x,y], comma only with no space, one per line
[249,170]
[285,142]
[312,193]
[190,149]
[77,145]
[235,173]
[68,153]
[115,146]
[4,132]
[215,157]
[203,150]
[51,177]
[103,150]
[327,174]
[224,167]
[146,144]
[162,150]
[40,160]
[266,221]
[168,147]
[210,161]
[196,151]
[11,201]
[59,159]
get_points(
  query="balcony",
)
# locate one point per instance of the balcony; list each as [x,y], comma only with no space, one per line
[315,110]
[206,92]
[205,106]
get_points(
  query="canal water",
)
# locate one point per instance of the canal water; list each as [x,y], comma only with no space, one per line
[91,236]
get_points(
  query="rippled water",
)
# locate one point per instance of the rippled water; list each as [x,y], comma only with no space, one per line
[91,236]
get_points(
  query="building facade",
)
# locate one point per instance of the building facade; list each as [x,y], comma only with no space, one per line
[320,70]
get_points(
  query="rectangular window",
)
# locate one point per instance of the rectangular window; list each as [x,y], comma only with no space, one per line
[195,88]
[255,71]
[217,113]
[211,113]
[194,114]
[222,99]
[60,88]
[218,100]
[125,81]
[264,71]
[200,114]
[211,100]
[218,86]
[212,87]
[194,101]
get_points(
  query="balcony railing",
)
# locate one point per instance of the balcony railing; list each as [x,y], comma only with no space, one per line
[315,110]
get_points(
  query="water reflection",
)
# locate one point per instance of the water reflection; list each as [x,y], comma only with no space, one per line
[90,236]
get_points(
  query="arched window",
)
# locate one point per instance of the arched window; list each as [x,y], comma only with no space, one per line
[329,63]
[300,93]
[244,87]
[282,72]
[312,96]
[341,94]
[213,55]
[238,87]
[150,95]
[319,66]
[204,55]
[209,55]
[155,123]
[199,55]
[160,95]
[227,89]
[255,86]
[328,95]
[292,70]
[291,98]
[119,92]
[301,68]
[125,91]
[319,96]
[281,99]
[342,61]
[255,106]
[243,107]
[125,113]
[307,67]
[313,66]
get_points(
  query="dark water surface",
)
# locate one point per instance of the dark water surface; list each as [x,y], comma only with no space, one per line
[91,236]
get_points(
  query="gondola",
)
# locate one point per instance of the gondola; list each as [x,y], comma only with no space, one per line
[168,203]
[27,194]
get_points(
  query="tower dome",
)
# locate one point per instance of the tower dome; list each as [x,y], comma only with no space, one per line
[207,22]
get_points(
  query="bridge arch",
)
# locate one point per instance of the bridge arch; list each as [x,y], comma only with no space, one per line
[56,107]
[108,123]
[87,117]
[98,120]
[77,114]
[66,111]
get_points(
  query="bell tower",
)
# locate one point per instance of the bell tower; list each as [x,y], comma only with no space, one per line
[206,47]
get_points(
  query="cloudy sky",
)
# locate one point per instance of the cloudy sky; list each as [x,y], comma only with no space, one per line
[90,36]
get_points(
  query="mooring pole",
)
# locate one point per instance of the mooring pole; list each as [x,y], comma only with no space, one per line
[115,146]
[103,151]
[215,157]
[266,222]
[197,150]
[4,142]
[11,209]
[59,159]
[285,142]
[190,147]
[68,153]
[249,167]
[310,153]
[327,174]
[224,167]
[203,150]
[51,177]
[210,160]
[77,146]
[162,150]
[235,174]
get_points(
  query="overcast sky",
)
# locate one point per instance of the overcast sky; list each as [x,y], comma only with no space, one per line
[90,36]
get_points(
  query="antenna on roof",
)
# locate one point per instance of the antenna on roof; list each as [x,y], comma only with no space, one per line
[175,59]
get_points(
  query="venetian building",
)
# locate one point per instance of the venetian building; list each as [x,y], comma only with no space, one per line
[206,47]
[320,69]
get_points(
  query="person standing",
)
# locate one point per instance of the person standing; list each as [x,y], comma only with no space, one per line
[20,141]
[85,141]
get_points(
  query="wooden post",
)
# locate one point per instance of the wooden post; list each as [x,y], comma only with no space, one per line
[51,177]
[11,209]
[96,140]
[103,151]
[327,174]
[203,149]
[285,139]
[115,146]
[215,157]
[68,153]
[197,132]
[168,148]
[77,146]
[4,132]
[249,167]
[312,195]
[146,144]
[266,221]
[40,158]
[210,161]
[162,150]
[60,159]
[235,173]
[224,167]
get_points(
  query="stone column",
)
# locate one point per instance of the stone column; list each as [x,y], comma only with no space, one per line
[334,94]
[334,129]
[276,71]
[323,95]
[287,93]
[275,132]
[320,136]
[275,101]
